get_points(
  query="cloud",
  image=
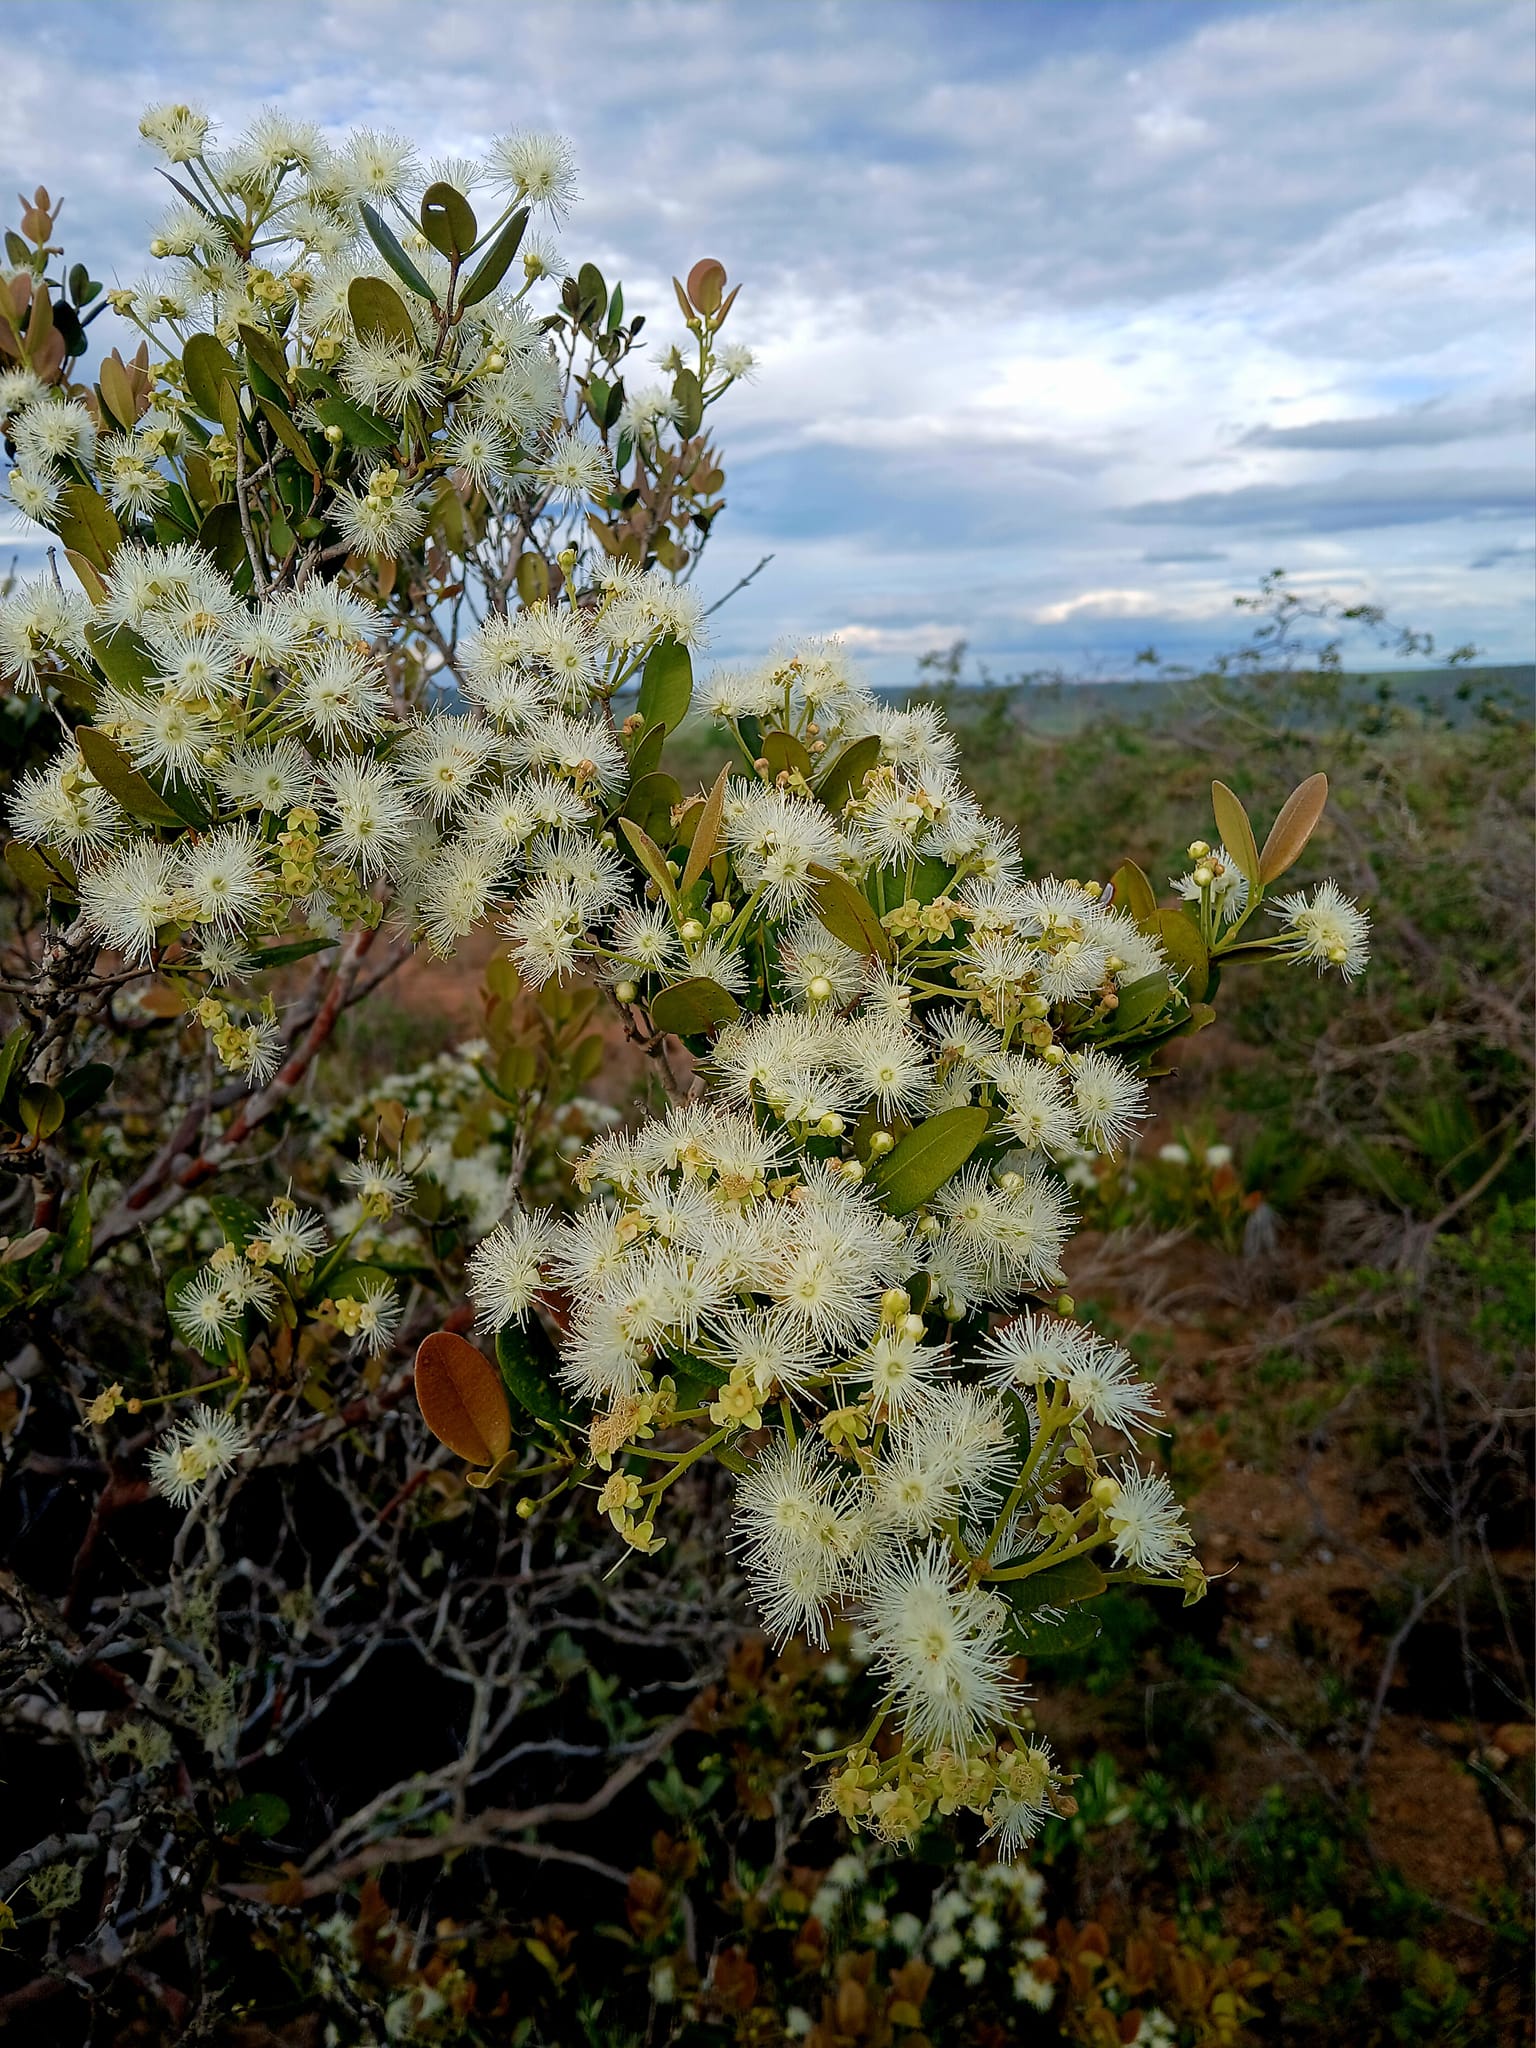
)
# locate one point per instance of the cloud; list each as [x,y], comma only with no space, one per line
[1430,424]
[1169,557]
[1363,499]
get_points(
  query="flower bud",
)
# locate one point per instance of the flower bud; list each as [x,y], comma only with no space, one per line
[1198,849]
[852,1171]
[1105,1492]
[691,929]
[819,988]
[894,1304]
[626,992]
[495,361]
[912,1325]
[1054,1056]
[1010,1183]
[527,1507]
[831,1125]
[1065,1305]
[1204,876]
[881,1142]
[334,436]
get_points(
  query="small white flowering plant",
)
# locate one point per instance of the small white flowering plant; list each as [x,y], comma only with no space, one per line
[369,646]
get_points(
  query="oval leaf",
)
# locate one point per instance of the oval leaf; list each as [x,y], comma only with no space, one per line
[493,265]
[1294,827]
[650,802]
[384,241]
[378,312]
[650,857]
[448,221]
[462,1400]
[1133,892]
[785,755]
[525,1376]
[845,777]
[207,366]
[117,775]
[1181,941]
[927,1156]
[706,833]
[694,1006]
[1237,834]
[847,916]
[666,687]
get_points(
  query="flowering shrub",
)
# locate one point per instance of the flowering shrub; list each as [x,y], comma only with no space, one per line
[370,636]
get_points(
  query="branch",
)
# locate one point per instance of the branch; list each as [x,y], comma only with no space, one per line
[496,1828]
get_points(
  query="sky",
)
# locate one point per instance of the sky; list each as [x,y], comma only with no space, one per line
[1074,317]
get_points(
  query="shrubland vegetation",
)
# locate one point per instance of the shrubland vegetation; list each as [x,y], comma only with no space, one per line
[791,1074]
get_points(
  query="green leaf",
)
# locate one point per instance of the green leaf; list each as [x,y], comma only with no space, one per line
[35,870]
[845,777]
[264,351]
[88,526]
[76,1255]
[12,1053]
[651,858]
[286,954]
[785,755]
[207,365]
[42,1110]
[220,535]
[378,312]
[592,290]
[650,802]
[261,1813]
[847,916]
[494,264]
[121,656]
[645,758]
[289,435]
[693,1007]
[448,222]
[666,687]
[1058,1585]
[1181,941]
[1237,835]
[1043,1635]
[359,427]
[688,397]
[383,239]
[117,775]
[930,878]
[526,1362]
[696,1380]
[83,1088]
[926,1157]
[1140,1001]
[238,1220]
[706,833]
[1133,892]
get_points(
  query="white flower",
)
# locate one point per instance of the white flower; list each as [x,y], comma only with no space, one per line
[887,1064]
[128,898]
[293,1237]
[938,1645]
[1326,928]
[224,876]
[62,805]
[787,1528]
[538,168]
[777,839]
[1150,1530]
[375,164]
[198,1448]
[503,1272]
[1039,1114]
[576,469]
[178,131]
[546,927]
[205,1312]
[1109,1099]
[340,697]
[275,778]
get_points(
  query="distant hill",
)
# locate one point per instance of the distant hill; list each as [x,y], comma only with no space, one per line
[1447,695]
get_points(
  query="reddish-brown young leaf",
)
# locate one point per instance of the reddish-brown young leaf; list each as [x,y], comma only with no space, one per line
[462,1399]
